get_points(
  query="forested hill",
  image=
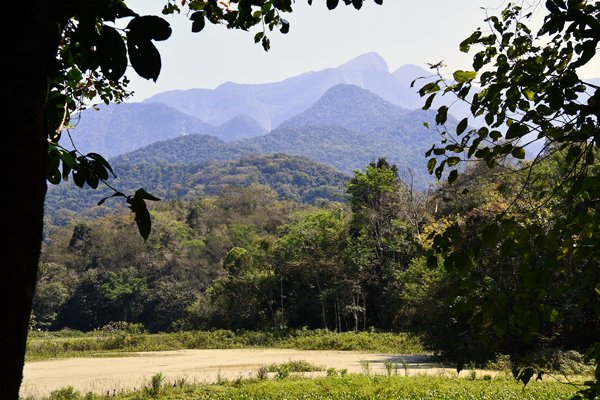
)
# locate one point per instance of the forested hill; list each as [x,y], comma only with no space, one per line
[293,178]
[190,149]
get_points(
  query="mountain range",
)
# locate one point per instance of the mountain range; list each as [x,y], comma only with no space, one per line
[347,128]
[233,111]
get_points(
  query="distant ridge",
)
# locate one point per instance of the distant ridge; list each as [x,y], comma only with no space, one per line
[273,103]
[125,127]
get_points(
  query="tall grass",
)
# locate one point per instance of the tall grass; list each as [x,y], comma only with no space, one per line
[59,345]
[350,387]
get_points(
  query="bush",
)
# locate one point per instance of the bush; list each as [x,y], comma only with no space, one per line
[65,393]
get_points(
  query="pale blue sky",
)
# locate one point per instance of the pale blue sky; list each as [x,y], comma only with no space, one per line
[402,31]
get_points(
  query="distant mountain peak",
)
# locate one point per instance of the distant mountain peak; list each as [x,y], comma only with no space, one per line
[409,72]
[368,61]
[346,94]
[348,106]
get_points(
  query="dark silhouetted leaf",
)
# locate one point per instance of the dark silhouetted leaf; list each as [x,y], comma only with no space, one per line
[148,27]
[144,58]
[198,21]
[112,53]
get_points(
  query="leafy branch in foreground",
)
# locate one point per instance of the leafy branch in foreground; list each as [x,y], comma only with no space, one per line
[526,87]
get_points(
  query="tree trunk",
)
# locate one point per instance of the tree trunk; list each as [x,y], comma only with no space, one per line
[29,47]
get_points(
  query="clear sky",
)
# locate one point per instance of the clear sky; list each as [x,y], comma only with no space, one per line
[401,31]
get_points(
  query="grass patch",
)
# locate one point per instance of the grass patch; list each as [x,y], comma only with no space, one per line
[50,345]
[347,387]
[295,366]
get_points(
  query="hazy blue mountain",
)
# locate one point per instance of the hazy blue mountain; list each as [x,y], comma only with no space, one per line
[350,107]
[238,127]
[119,128]
[291,177]
[405,75]
[272,103]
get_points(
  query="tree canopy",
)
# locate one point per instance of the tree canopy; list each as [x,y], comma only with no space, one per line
[525,86]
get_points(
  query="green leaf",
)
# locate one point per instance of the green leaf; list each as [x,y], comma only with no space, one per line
[142,194]
[79,177]
[429,101]
[495,135]
[266,43]
[452,161]
[116,194]
[529,94]
[137,205]
[357,4]
[285,26]
[141,216]
[101,161]
[465,45]
[431,164]
[92,180]
[464,76]
[516,130]
[518,152]
[442,115]
[597,288]
[462,125]
[452,176]
[525,375]
[68,158]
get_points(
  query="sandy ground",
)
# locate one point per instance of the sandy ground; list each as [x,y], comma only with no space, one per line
[102,375]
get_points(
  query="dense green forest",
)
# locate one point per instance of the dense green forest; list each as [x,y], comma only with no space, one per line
[293,178]
[249,259]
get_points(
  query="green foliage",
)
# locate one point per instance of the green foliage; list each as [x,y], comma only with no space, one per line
[60,344]
[65,393]
[529,90]
[292,178]
[361,387]
[295,366]
[156,383]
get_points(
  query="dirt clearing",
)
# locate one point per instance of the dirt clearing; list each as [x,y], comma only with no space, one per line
[102,375]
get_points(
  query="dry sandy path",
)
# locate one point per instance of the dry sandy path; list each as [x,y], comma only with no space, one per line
[107,374]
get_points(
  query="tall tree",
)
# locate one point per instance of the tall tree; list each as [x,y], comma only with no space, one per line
[381,238]
[63,53]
